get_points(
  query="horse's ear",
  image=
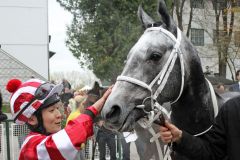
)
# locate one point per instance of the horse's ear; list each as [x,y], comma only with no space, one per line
[144,17]
[96,84]
[166,18]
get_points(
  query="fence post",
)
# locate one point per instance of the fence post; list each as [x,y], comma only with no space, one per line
[7,139]
[119,147]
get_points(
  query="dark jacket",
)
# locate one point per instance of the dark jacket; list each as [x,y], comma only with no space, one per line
[222,141]
[234,87]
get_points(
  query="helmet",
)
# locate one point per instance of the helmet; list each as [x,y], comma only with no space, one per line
[30,96]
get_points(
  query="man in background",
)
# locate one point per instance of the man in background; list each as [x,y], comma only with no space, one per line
[105,137]
[236,87]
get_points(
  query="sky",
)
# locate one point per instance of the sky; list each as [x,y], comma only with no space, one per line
[58,19]
[63,61]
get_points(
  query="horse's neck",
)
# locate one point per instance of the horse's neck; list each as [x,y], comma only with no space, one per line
[194,110]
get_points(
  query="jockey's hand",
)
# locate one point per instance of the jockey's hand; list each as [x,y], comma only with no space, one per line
[99,104]
[170,133]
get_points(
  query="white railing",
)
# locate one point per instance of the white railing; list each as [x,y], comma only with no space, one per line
[2,142]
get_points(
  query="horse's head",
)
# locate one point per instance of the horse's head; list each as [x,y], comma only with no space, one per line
[153,64]
[94,94]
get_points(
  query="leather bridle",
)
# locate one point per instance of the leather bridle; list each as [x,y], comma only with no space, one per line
[161,78]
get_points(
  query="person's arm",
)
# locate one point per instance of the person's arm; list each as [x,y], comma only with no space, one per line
[82,126]
[210,146]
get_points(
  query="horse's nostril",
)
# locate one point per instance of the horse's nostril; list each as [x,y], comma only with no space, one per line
[113,114]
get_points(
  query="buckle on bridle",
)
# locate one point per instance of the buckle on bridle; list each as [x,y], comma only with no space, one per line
[147,105]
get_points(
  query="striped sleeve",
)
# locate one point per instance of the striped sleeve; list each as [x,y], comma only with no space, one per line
[79,130]
[61,145]
[58,146]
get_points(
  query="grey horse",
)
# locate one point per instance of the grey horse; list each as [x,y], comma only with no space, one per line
[162,67]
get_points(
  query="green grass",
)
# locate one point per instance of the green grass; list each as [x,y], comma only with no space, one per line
[6,108]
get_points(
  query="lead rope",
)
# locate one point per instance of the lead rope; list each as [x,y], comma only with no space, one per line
[147,124]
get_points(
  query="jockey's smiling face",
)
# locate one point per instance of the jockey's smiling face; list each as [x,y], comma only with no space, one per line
[52,118]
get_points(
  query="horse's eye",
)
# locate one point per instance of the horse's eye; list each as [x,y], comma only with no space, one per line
[155,56]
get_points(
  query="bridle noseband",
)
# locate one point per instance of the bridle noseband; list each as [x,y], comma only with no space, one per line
[161,78]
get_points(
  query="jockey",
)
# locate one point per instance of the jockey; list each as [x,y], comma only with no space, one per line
[37,104]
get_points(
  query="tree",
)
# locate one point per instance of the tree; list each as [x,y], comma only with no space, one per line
[177,9]
[223,37]
[102,32]
[223,27]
